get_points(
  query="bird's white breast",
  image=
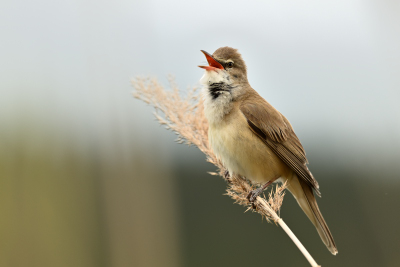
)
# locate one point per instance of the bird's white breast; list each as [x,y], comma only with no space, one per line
[232,141]
[215,108]
[242,152]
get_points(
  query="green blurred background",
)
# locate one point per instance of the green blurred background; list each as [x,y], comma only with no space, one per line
[89,178]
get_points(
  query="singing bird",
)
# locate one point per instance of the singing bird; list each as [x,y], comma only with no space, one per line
[255,140]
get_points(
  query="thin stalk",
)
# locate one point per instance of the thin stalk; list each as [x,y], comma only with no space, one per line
[289,232]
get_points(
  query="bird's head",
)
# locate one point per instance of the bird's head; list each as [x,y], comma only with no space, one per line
[225,65]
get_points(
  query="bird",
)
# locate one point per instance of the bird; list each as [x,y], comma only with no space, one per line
[253,139]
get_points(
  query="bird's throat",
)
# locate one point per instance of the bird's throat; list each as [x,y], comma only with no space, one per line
[217,82]
[215,76]
[219,89]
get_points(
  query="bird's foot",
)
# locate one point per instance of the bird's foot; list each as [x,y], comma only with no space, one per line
[226,175]
[253,194]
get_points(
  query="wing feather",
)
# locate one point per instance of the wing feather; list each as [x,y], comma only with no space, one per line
[277,133]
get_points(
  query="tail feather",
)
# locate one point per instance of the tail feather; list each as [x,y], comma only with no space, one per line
[305,198]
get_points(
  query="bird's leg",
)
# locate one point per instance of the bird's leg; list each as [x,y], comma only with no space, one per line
[256,192]
[227,176]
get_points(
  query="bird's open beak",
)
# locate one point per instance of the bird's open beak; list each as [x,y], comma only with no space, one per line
[212,62]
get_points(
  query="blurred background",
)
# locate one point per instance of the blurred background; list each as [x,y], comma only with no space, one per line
[89,178]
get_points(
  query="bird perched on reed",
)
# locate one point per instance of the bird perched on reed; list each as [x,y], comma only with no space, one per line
[255,140]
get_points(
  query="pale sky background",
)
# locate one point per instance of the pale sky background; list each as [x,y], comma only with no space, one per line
[331,67]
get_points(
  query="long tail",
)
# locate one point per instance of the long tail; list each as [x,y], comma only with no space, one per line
[305,197]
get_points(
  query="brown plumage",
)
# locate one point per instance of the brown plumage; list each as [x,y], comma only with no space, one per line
[255,140]
[277,133]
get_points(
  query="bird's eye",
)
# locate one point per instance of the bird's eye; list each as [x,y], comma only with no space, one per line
[229,64]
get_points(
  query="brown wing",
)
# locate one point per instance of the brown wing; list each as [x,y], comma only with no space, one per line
[277,133]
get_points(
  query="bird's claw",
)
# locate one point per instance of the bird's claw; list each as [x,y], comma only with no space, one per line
[226,174]
[252,196]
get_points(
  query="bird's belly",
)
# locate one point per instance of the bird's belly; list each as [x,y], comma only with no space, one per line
[243,153]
